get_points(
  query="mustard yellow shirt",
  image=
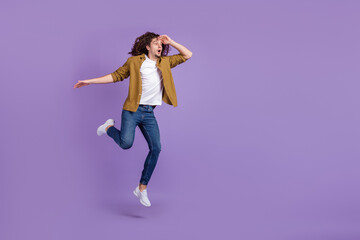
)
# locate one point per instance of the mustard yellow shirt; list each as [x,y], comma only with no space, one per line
[132,68]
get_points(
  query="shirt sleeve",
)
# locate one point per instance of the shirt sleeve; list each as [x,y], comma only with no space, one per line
[176,60]
[121,73]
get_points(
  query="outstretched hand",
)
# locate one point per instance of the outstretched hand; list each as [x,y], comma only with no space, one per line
[81,84]
[165,39]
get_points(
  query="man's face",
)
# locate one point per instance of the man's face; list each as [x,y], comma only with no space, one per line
[155,47]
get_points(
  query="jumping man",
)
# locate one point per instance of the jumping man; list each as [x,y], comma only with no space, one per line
[150,83]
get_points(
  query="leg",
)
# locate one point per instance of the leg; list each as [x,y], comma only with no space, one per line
[124,137]
[150,130]
[108,127]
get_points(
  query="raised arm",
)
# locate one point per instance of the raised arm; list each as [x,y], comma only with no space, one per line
[186,53]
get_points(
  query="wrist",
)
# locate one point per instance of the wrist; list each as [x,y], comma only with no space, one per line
[171,42]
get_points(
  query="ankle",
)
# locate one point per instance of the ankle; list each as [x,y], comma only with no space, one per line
[142,187]
[108,127]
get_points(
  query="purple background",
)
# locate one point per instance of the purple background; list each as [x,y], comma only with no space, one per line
[264,143]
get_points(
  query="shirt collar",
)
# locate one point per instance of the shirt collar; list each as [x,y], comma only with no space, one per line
[144,56]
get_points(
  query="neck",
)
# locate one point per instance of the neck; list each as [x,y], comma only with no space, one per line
[152,57]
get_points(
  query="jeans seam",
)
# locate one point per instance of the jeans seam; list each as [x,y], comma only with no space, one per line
[151,149]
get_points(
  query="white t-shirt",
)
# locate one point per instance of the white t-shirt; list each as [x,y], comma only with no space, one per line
[152,84]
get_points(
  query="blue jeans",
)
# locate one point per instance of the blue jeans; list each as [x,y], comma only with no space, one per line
[144,118]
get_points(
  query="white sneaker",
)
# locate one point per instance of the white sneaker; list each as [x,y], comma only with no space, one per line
[101,129]
[144,200]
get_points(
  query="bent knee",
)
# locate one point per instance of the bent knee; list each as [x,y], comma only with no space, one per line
[126,144]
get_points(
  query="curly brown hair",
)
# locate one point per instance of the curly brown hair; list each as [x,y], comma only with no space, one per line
[144,40]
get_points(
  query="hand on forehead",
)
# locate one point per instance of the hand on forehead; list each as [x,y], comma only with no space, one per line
[158,39]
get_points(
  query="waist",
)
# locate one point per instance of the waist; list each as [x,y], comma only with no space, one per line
[144,105]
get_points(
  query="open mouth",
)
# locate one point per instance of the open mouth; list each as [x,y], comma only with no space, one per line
[159,51]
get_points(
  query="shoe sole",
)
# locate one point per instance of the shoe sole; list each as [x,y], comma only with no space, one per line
[141,200]
[99,133]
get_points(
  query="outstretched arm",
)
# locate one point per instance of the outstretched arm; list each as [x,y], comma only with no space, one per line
[105,79]
[183,50]
[119,75]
